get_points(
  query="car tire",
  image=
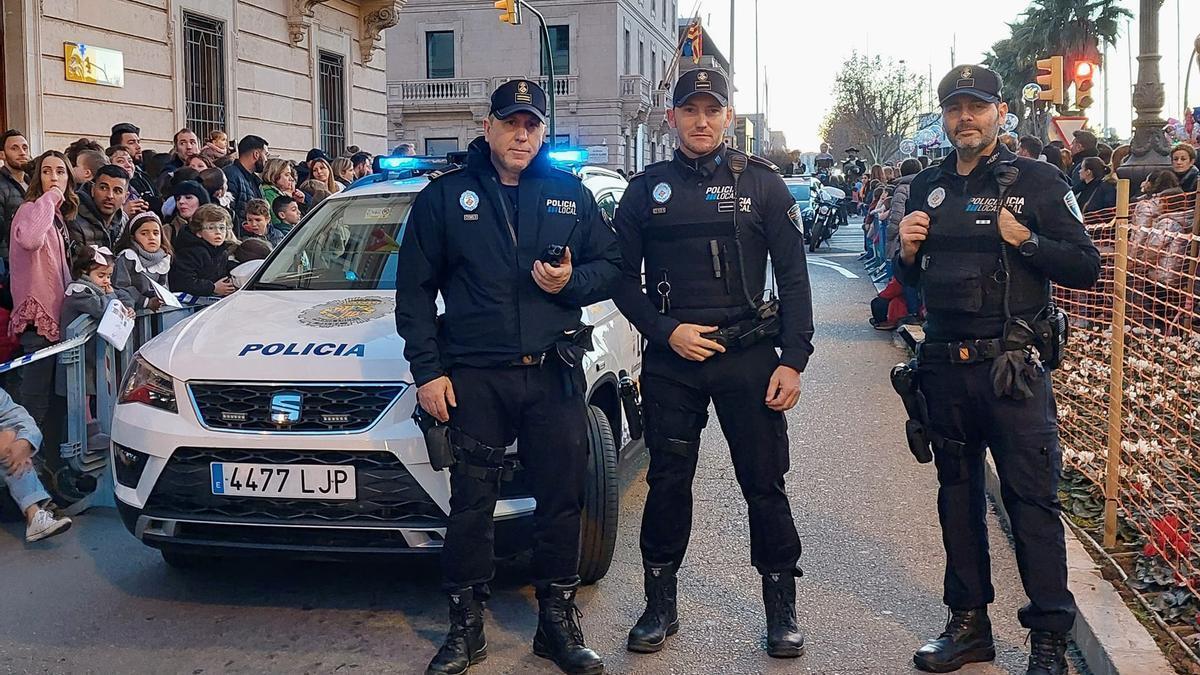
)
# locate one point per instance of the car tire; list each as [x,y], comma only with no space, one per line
[183,560]
[601,503]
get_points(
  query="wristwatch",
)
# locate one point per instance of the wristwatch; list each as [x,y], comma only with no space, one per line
[1029,247]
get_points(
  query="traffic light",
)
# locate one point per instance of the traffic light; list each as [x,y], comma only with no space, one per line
[510,11]
[1085,72]
[1051,81]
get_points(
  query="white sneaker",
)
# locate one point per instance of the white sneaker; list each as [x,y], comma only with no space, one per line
[45,525]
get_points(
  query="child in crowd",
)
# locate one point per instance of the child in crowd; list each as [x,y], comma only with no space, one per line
[287,210]
[145,256]
[258,223]
[89,293]
[201,264]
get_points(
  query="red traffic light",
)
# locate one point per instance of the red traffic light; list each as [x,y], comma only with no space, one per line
[1084,70]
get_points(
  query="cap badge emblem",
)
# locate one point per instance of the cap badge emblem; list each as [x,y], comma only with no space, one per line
[523,87]
[966,73]
[703,76]
[964,353]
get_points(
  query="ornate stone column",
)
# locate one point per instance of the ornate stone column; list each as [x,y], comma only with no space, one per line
[1149,149]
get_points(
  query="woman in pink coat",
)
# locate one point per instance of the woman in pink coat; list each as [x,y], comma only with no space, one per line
[39,277]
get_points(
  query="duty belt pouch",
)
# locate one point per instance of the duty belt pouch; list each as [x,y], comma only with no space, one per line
[571,349]
[1052,336]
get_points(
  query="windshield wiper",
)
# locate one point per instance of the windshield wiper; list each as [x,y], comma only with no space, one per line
[270,286]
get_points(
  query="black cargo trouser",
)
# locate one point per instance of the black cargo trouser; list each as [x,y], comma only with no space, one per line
[1023,437]
[528,404]
[676,394]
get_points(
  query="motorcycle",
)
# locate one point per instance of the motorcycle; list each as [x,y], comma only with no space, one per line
[828,214]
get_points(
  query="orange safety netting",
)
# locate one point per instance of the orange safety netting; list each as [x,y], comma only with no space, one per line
[1159,484]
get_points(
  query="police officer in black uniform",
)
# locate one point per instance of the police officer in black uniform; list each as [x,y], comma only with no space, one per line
[985,234]
[516,247]
[703,223]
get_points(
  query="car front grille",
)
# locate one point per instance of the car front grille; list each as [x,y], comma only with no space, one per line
[387,493]
[317,408]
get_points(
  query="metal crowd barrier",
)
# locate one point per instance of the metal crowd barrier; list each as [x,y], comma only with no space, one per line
[111,365]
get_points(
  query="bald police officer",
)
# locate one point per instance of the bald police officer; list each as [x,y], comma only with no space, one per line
[504,360]
[702,225]
[985,234]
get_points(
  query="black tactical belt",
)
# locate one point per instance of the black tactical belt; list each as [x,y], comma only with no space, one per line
[528,360]
[962,352]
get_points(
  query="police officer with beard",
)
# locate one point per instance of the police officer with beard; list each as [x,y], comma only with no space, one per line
[985,234]
[703,224]
[515,247]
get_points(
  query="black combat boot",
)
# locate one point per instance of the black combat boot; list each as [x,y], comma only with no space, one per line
[661,617]
[784,639]
[1047,654]
[967,639]
[559,637]
[465,643]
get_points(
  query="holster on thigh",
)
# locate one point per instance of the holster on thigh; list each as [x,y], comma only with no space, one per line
[674,430]
[479,460]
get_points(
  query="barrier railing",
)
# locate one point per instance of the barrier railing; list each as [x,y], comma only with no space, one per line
[1129,396]
[90,480]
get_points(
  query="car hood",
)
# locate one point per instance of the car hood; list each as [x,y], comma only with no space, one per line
[287,336]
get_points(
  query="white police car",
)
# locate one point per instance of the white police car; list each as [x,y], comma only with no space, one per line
[279,419]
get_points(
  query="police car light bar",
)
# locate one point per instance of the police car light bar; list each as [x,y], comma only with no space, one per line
[569,156]
[389,164]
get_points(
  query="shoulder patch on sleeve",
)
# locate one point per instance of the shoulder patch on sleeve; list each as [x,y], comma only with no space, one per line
[1073,205]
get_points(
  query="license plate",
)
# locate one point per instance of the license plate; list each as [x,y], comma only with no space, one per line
[290,481]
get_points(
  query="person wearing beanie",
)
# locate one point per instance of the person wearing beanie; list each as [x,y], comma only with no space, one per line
[189,196]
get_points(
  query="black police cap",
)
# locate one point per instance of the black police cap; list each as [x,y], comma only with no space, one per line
[971,80]
[519,96]
[700,81]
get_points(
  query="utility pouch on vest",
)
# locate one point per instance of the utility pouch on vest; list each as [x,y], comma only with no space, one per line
[437,439]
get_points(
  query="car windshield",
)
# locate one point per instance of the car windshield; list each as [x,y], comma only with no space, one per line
[800,191]
[346,244]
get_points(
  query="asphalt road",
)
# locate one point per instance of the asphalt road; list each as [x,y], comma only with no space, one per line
[95,600]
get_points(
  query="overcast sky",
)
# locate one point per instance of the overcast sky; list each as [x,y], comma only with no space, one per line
[803,42]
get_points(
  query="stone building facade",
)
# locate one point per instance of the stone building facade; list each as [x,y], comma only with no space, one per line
[300,73]
[613,62]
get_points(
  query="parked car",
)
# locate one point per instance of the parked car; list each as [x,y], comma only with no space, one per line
[280,419]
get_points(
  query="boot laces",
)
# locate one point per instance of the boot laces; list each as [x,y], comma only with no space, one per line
[957,621]
[570,619]
[1046,649]
[780,609]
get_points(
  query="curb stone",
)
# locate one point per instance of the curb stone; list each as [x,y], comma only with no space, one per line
[1111,639]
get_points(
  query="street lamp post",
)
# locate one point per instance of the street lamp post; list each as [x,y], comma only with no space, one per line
[1149,149]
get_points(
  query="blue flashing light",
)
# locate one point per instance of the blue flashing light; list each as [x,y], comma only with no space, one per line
[388,164]
[569,156]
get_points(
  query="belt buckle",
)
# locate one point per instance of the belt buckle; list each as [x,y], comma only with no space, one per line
[532,359]
[963,352]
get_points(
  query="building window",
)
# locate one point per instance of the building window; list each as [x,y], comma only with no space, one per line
[560,44]
[628,42]
[439,54]
[204,74]
[331,75]
[641,57]
[654,66]
[440,147]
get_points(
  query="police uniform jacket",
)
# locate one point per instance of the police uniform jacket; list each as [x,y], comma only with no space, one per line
[463,240]
[676,219]
[960,265]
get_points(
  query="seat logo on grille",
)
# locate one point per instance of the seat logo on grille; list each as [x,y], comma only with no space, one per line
[285,408]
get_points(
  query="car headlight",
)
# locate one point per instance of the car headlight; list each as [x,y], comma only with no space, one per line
[146,384]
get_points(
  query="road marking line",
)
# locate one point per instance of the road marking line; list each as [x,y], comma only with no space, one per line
[820,262]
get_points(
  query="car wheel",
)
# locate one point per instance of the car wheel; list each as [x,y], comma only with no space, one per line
[181,560]
[601,504]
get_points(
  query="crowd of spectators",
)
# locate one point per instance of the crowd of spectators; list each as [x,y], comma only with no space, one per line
[94,223]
